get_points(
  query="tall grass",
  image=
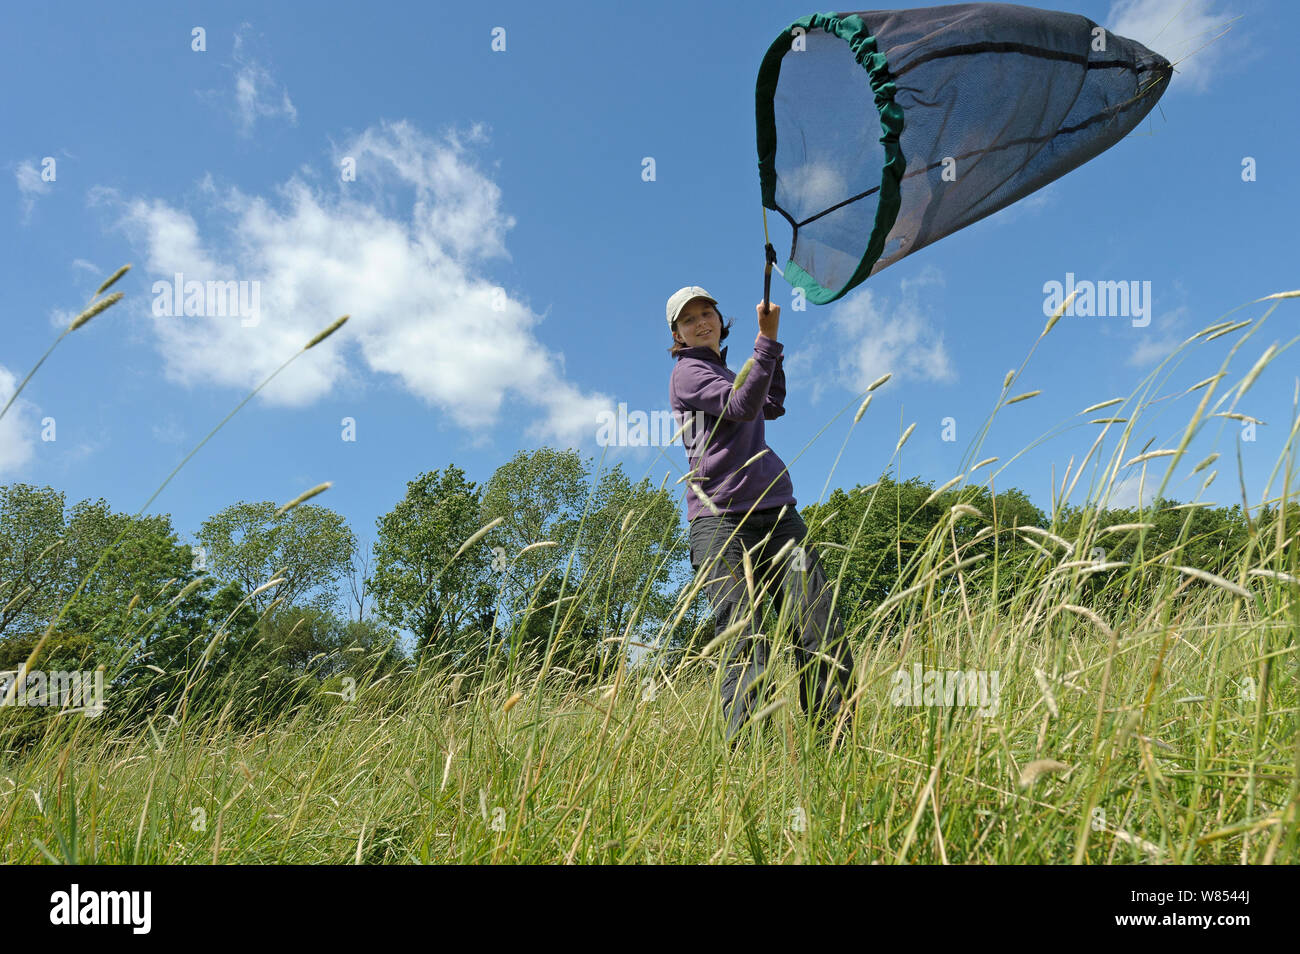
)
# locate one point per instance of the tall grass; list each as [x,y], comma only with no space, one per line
[1152,721]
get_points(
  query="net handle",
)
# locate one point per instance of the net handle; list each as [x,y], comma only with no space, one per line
[769,256]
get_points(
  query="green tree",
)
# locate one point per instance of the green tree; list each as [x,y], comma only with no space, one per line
[33,572]
[147,566]
[310,548]
[416,585]
[630,542]
[133,568]
[539,497]
[309,640]
[1207,538]
[875,532]
[573,637]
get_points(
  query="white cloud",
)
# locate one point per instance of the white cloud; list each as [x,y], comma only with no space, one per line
[423,306]
[60,318]
[30,187]
[813,186]
[1176,29]
[257,93]
[1158,342]
[1124,492]
[867,335]
[16,427]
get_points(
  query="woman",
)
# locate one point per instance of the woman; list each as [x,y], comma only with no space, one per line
[737,499]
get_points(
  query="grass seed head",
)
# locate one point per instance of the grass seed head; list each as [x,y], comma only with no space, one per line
[1098,407]
[321,336]
[302,497]
[862,410]
[743,373]
[94,310]
[1023,397]
[109,282]
[1205,463]
[1031,772]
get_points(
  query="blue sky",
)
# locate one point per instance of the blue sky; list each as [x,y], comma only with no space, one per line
[506,265]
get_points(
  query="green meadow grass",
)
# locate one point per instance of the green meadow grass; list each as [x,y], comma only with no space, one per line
[1155,723]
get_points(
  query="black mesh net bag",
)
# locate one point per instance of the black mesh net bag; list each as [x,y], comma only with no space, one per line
[882,131]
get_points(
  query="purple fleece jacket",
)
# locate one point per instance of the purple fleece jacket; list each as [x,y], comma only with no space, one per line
[700,390]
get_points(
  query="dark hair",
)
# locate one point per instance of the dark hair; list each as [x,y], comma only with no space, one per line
[726,330]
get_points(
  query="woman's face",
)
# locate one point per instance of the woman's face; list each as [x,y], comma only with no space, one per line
[699,324]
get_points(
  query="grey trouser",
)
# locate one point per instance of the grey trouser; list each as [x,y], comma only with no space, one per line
[798,587]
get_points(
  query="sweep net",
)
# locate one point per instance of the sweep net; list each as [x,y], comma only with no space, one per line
[882,131]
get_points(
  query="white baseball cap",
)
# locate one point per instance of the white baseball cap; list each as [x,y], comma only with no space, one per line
[681,297]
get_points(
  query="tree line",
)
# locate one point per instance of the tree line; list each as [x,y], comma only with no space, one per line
[604,554]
